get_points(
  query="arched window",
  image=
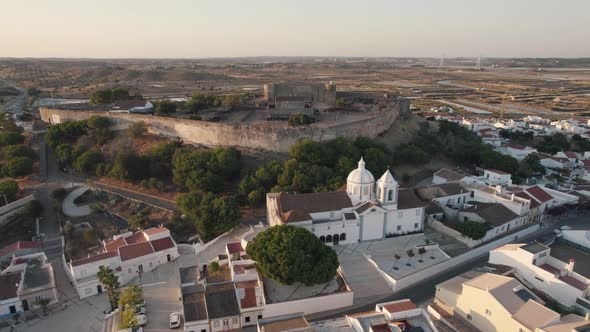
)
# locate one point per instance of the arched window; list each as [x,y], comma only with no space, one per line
[323,238]
[329,238]
[343,237]
[336,239]
[390,195]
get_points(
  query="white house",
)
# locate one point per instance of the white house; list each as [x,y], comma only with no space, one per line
[496,177]
[128,255]
[519,152]
[553,274]
[556,163]
[444,175]
[28,279]
[368,210]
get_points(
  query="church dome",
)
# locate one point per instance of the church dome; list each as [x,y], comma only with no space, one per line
[360,175]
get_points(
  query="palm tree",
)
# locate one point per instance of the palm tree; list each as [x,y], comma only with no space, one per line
[111,283]
[410,255]
[421,252]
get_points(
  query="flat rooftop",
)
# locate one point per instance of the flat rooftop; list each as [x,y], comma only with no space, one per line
[564,252]
[535,247]
[193,303]
[189,274]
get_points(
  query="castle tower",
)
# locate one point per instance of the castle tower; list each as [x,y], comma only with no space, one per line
[387,191]
[360,184]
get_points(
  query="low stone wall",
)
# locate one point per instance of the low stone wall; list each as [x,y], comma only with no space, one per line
[13,208]
[271,136]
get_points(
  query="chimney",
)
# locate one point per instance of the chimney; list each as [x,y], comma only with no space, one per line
[587,317]
[570,266]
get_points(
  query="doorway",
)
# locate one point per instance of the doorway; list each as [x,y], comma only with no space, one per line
[168,257]
[99,289]
[25,305]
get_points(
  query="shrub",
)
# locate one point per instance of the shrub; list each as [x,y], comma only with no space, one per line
[11,138]
[472,229]
[213,266]
[90,236]
[137,129]
[298,119]
[8,189]
[18,150]
[88,161]
[18,166]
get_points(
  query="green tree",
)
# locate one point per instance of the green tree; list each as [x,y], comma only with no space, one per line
[107,96]
[18,166]
[256,197]
[90,236]
[128,319]
[11,138]
[161,158]
[8,189]
[299,119]
[165,107]
[340,103]
[291,254]
[213,266]
[99,128]
[88,161]
[138,221]
[66,132]
[110,281]
[131,296]
[129,166]
[64,153]
[212,215]
[34,208]
[18,150]
[137,129]
[472,229]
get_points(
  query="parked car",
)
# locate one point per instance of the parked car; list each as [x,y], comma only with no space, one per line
[141,320]
[565,228]
[140,310]
[174,320]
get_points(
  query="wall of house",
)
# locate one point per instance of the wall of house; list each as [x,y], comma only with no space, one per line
[197,326]
[232,323]
[129,268]
[372,225]
[6,304]
[162,256]
[310,305]
[475,302]
[406,219]
[540,279]
[455,199]
[581,238]
[91,269]
[267,136]
[350,228]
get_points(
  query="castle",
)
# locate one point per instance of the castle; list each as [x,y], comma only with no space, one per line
[365,210]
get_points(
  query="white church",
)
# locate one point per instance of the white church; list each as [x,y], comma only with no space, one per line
[365,210]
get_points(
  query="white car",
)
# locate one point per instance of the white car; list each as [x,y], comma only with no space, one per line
[565,228]
[141,320]
[139,310]
[174,320]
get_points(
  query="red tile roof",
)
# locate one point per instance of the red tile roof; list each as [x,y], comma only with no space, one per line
[234,248]
[136,238]
[94,258]
[114,245]
[586,163]
[249,300]
[246,284]
[570,154]
[574,282]
[155,230]
[538,193]
[19,245]
[534,202]
[9,287]
[400,306]
[162,244]
[135,250]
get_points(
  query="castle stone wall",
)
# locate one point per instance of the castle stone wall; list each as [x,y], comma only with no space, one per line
[271,136]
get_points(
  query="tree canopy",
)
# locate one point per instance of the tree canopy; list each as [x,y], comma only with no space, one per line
[205,170]
[212,215]
[289,254]
[18,166]
[8,189]
[165,107]
[11,138]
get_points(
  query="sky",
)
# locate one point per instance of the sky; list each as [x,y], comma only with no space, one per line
[238,28]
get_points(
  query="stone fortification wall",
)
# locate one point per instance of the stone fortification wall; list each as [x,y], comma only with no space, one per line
[271,136]
[318,92]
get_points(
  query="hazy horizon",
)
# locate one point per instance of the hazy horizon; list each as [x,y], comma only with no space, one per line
[184,29]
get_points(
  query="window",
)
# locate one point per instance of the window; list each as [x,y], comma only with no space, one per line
[129,270]
[259,316]
[234,321]
[323,238]
[400,214]
[247,319]
[203,330]
[329,238]
[390,195]
[216,323]
[343,237]
[399,227]
[468,316]
[416,225]
[488,312]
